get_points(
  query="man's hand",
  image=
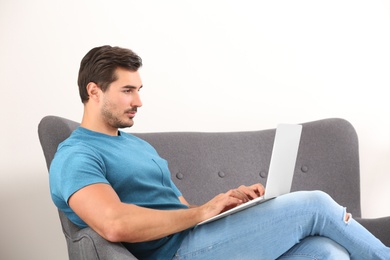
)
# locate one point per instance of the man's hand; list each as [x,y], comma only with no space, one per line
[231,199]
[250,192]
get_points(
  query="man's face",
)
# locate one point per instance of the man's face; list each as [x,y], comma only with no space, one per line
[121,99]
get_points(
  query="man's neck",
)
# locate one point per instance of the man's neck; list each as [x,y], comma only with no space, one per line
[96,125]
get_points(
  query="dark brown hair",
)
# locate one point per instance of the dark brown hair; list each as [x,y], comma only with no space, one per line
[99,66]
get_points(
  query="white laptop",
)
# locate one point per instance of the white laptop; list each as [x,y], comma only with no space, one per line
[281,170]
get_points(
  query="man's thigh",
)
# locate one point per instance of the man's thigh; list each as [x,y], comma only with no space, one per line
[316,247]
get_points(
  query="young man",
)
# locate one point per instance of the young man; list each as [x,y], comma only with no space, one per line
[117,184]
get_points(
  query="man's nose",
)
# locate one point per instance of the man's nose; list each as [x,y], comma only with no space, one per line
[137,101]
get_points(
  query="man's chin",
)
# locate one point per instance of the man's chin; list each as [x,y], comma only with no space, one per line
[126,124]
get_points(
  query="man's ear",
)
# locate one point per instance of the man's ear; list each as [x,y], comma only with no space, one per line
[93,91]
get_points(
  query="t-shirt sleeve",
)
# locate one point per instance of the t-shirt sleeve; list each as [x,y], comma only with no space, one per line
[72,169]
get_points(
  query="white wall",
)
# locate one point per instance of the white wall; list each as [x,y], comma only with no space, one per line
[208,66]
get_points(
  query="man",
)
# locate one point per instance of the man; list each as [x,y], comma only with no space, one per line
[117,184]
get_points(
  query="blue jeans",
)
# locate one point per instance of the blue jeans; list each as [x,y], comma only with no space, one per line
[300,225]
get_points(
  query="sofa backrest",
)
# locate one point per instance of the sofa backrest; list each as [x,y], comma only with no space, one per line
[205,164]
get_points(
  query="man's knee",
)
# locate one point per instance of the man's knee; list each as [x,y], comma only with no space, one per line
[321,196]
[325,201]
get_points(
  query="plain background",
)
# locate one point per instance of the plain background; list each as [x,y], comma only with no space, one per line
[209,65]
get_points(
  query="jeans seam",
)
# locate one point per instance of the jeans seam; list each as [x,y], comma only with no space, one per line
[300,255]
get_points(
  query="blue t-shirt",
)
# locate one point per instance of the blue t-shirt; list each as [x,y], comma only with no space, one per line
[130,165]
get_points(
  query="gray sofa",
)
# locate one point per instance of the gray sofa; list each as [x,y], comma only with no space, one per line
[205,164]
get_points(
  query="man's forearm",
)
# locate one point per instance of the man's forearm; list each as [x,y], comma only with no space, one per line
[143,224]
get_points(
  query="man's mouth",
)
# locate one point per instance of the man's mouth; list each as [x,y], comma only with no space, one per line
[131,113]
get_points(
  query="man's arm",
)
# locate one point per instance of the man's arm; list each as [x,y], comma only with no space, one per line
[99,206]
[245,193]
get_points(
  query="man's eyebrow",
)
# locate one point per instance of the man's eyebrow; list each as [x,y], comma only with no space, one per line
[132,87]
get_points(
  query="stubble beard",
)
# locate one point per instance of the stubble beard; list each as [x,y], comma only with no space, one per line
[114,120]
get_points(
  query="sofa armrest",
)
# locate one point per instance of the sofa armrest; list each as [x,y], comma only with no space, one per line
[86,244]
[90,245]
[380,227]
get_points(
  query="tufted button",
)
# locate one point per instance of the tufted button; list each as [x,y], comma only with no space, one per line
[179,175]
[221,174]
[263,174]
[304,168]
